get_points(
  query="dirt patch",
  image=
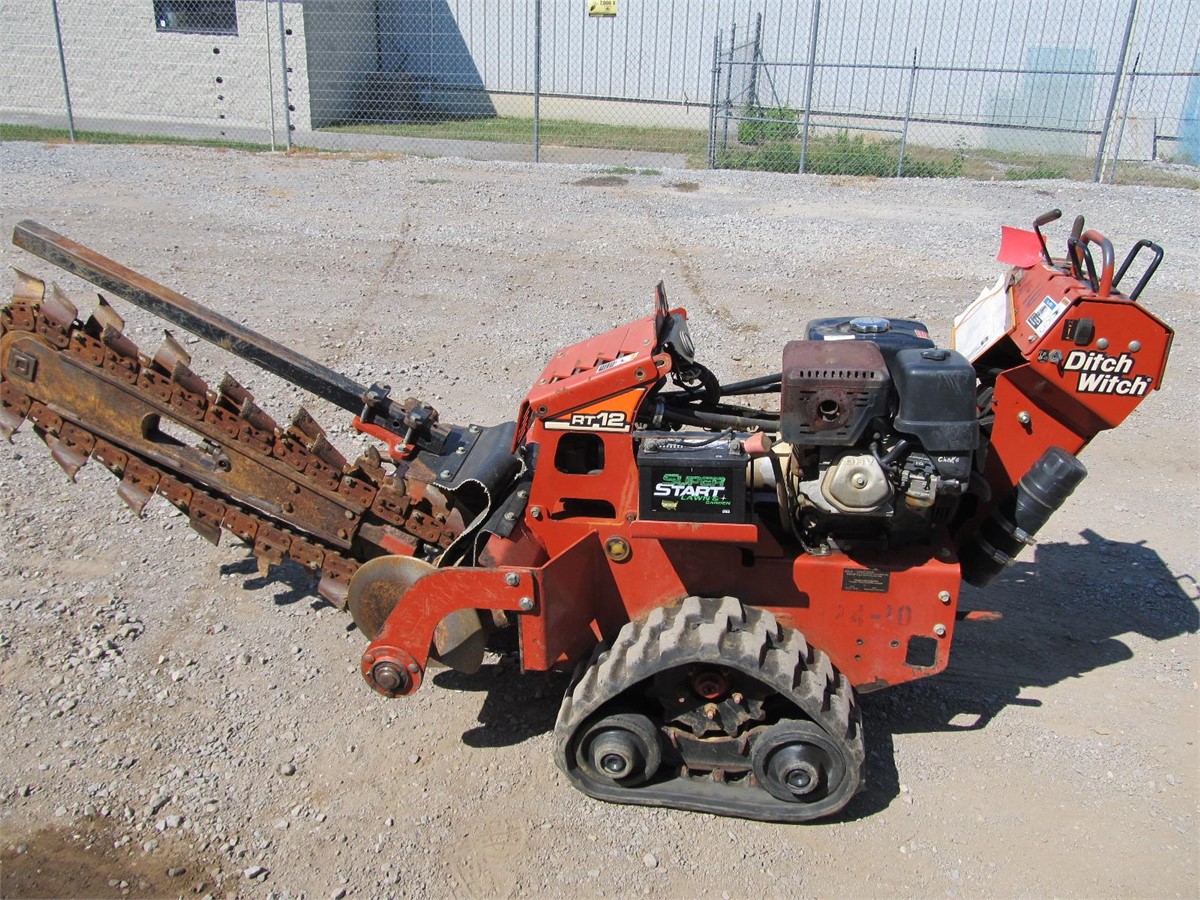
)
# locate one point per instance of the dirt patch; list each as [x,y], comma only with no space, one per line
[82,862]
[686,187]
[602,181]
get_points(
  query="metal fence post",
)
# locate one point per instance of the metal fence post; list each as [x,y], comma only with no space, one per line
[270,73]
[808,91]
[287,94]
[754,62]
[1112,97]
[912,87]
[1129,83]
[728,104]
[537,80]
[713,100]
[62,65]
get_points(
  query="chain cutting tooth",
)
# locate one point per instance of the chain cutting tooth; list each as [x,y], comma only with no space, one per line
[56,316]
[14,406]
[120,353]
[169,355]
[28,289]
[307,431]
[57,308]
[103,317]
[132,491]
[71,448]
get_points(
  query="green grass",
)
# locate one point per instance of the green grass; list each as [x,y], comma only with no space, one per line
[626,170]
[843,154]
[38,133]
[560,132]
[1034,173]
[837,154]
[433,181]
[762,124]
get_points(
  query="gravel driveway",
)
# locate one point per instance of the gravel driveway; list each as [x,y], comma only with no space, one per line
[173,723]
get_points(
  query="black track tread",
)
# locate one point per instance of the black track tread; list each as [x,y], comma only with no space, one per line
[718,630]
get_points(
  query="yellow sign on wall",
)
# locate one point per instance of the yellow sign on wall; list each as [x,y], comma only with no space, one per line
[607,8]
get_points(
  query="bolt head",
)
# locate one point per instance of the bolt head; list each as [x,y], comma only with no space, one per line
[510,516]
[618,549]
[512,579]
[939,630]
[414,668]
[944,596]
[525,604]
[445,473]
[389,677]
[1024,418]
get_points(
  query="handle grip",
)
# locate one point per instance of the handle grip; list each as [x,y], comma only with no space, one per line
[1107,261]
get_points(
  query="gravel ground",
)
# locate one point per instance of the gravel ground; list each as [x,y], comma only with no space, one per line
[176,724]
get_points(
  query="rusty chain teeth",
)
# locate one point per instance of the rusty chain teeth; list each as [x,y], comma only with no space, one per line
[165,379]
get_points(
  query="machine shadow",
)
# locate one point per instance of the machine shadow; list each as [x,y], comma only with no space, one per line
[298,583]
[515,707]
[1063,614]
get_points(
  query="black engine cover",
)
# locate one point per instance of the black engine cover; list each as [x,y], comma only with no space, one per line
[937,399]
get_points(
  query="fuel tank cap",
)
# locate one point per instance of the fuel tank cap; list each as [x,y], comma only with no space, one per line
[869,325]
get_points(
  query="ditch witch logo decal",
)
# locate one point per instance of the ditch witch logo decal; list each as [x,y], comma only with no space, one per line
[1099,373]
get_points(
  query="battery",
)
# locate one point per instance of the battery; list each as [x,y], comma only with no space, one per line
[688,477]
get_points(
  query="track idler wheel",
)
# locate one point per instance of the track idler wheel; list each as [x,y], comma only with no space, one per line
[798,762]
[621,749]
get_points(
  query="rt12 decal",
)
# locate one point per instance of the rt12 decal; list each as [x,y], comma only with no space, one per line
[614,415]
[605,420]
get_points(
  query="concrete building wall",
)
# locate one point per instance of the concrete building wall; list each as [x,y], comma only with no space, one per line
[123,70]
[29,71]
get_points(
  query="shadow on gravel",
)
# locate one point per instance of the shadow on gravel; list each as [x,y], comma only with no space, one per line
[1064,613]
[515,707]
[297,580]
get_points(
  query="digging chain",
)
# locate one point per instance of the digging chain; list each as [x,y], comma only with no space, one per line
[228,416]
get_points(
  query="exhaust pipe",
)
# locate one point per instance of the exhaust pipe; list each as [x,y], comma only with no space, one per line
[1002,535]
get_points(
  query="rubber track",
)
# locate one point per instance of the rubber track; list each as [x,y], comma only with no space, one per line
[720,631]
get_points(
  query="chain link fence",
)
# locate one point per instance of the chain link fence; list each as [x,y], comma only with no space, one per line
[1009,88]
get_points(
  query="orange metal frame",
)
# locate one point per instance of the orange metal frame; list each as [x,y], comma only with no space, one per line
[558,574]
